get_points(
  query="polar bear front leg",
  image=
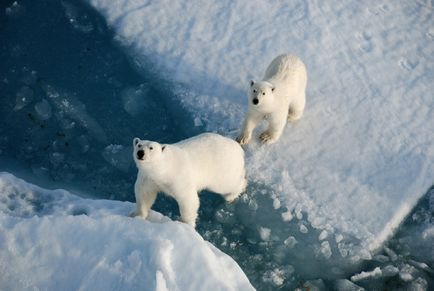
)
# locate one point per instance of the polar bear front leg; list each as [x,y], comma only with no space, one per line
[145,198]
[248,127]
[274,130]
[188,207]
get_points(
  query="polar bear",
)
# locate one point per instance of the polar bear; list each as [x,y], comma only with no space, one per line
[207,161]
[279,98]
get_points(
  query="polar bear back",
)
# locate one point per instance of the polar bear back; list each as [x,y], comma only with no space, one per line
[288,72]
[217,161]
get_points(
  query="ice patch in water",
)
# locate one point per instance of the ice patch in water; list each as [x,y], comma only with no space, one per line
[390,271]
[134,99]
[264,233]
[43,109]
[118,156]
[287,216]
[323,235]
[276,277]
[77,17]
[276,203]
[346,285]
[376,273]
[326,250]
[420,284]
[14,10]
[303,228]
[290,242]
[56,158]
[67,105]
[23,97]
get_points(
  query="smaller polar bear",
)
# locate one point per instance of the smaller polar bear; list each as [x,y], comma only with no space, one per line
[279,98]
[207,161]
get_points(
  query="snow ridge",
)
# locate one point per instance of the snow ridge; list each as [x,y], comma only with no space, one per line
[52,238]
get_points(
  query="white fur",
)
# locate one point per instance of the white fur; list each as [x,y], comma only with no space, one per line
[207,161]
[281,98]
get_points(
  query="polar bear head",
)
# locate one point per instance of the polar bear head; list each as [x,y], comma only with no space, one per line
[261,94]
[147,151]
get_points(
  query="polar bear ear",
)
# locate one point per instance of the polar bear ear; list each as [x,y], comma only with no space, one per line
[252,82]
[136,141]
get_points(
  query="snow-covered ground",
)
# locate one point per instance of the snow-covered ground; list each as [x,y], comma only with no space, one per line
[363,154]
[320,203]
[52,239]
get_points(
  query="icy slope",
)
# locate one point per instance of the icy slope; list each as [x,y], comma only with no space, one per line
[363,154]
[53,239]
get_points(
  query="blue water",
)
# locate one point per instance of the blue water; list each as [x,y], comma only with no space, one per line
[71,103]
[64,48]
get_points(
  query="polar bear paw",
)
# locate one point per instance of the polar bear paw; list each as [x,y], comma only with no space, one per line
[267,138]
[243,139]
[136,213]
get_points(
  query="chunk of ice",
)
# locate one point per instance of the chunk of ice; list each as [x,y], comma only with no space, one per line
[376,273]
[23,97]
[43,109]
[264,233]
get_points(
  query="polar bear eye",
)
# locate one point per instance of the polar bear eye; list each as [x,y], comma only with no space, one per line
[139,145]
[263,93]
[254,90]
[151,148]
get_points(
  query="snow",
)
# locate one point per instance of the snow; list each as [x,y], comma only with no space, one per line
[345,175]
[363,153]
[52,238]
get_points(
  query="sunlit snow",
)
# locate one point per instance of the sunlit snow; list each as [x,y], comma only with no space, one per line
[341,202]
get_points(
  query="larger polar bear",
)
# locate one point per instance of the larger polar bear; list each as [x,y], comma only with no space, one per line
[207,161]
[279,98]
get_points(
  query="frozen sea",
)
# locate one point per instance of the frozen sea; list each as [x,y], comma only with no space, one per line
[79,80]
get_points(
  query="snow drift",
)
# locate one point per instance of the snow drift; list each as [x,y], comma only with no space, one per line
[52,238]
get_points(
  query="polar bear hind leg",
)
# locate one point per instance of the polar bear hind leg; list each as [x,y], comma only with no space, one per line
[296,110]
[234,195]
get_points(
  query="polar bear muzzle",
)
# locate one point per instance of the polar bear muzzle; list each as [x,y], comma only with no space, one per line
[140,154]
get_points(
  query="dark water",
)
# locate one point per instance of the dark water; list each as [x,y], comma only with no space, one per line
[71,102]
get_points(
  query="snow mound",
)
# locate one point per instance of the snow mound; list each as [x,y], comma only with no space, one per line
[53,239]
[363,154]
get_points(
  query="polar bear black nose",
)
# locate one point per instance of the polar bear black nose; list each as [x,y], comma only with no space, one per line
[140,154]
[255,101]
